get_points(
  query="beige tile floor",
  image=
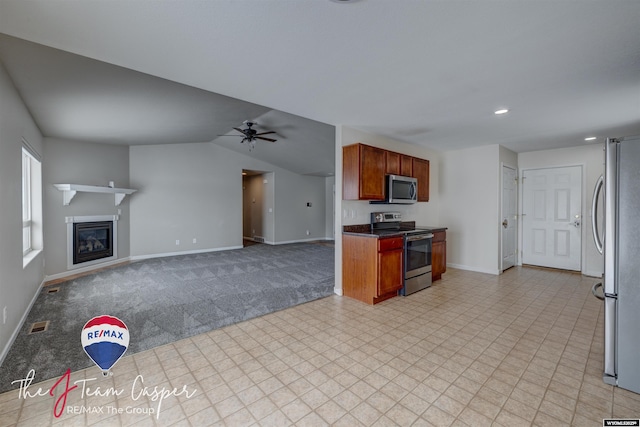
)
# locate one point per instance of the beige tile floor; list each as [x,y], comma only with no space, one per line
[523,348]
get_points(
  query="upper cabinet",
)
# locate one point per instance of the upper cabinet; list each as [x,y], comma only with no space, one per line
[421,173]
[364,169]
[393,163]
[406,165]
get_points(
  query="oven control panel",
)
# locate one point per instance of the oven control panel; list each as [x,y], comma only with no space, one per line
[386,217]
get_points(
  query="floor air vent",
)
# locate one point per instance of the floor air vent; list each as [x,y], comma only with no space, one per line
[259,239]
[53,290]
[39,327]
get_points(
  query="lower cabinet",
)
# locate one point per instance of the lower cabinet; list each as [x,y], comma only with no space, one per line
[438,255]
[371,267]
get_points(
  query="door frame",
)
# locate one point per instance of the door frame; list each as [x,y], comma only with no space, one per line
[517,260]
[586,207]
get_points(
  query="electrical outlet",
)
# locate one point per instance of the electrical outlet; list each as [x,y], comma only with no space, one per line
[177,242]
[195,240]
[308,232]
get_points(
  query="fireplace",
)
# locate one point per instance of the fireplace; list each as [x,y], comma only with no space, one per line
[92,240]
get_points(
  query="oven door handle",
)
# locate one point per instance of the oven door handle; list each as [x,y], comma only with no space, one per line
[420,237]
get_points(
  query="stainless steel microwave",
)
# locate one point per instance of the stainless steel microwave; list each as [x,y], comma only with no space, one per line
[401,189]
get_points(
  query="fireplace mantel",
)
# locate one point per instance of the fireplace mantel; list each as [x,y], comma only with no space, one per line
[70,190]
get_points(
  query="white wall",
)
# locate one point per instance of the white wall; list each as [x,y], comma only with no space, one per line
[188,191]
[268,218]
[74,162]
[329,215]
[293,218]
[18,285]
[349,212]
[470,187]
[591,158]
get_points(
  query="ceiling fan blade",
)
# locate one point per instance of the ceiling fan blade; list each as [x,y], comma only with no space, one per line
[232,135]
[265,133]
[239,130]
[265,139]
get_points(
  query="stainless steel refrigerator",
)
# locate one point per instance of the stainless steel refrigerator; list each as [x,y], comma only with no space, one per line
[619,242]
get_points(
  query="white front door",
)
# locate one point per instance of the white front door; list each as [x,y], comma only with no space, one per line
[509,216]
[552,217]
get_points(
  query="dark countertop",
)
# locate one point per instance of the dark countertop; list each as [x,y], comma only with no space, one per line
[432,228]
[364,230]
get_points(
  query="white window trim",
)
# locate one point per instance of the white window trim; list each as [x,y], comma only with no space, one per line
[29,155]
[26,200]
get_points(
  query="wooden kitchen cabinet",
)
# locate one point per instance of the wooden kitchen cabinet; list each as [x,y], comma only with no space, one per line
[438,255]
[406,165]
[398,164]
[371,267]
[392,166]
[363,172]
[364,169]
[421,173]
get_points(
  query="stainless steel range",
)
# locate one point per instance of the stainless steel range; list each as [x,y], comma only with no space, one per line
[417,249]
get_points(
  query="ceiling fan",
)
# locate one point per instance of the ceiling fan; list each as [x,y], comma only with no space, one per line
[250,135]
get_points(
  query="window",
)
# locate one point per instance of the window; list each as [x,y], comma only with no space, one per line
[31,203]
[26,202]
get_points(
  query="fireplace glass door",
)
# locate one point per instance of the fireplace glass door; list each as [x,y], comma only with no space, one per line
[92,240]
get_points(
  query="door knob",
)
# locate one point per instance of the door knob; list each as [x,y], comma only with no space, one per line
[505,223]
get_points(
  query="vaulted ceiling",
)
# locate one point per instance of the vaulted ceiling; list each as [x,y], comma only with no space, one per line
[425,72]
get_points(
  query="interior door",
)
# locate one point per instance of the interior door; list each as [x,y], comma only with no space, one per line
[552,217]
[509,217]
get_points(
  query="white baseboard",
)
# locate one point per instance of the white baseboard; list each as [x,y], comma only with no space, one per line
[160,255]
[595,274]
[337,291]
[197,251]
[16,332]
[476,269]
[314,239]
[131,258]
[86,269]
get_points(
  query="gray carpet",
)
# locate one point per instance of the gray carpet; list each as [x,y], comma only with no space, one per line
[166,299]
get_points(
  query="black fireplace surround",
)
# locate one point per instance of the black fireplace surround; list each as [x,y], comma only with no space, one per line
[92,240]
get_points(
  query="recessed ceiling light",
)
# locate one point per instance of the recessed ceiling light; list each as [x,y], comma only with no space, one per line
[591,138]
[503,111]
